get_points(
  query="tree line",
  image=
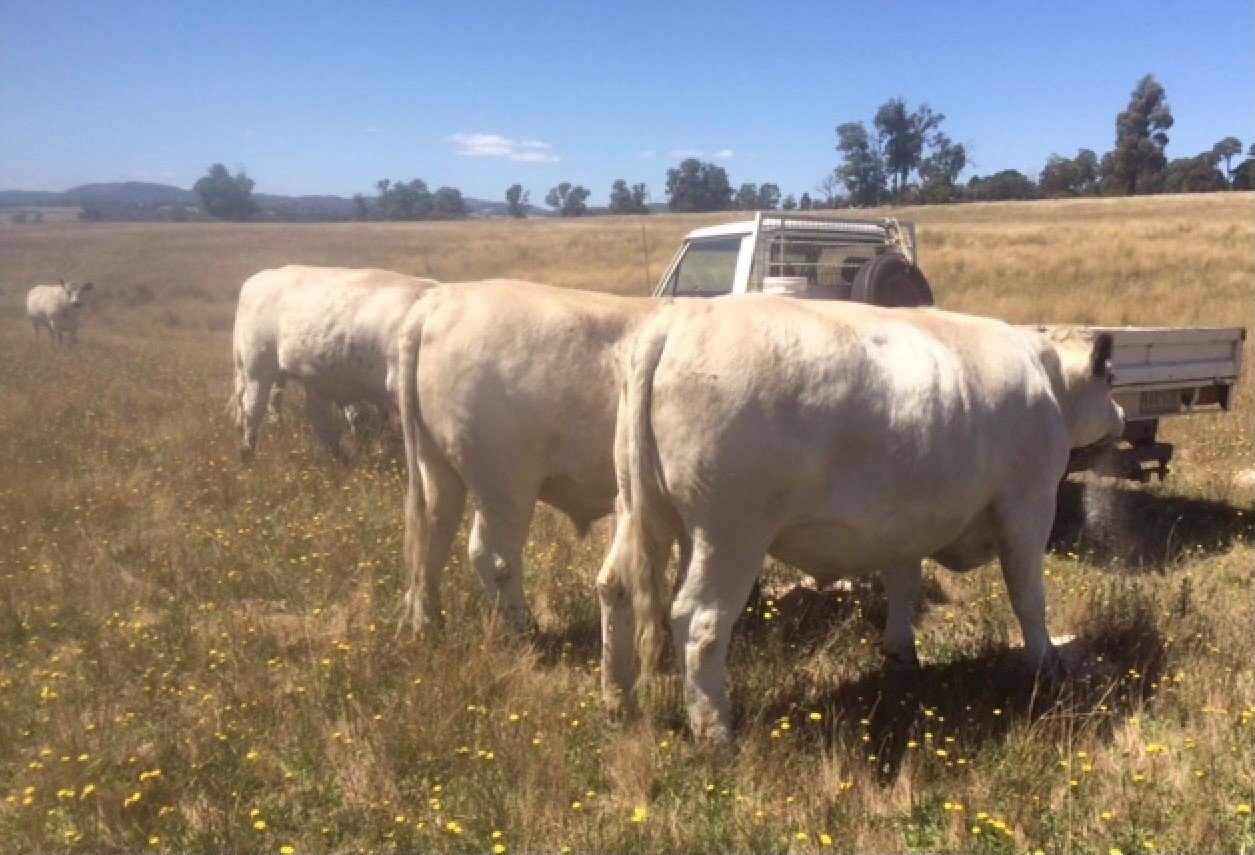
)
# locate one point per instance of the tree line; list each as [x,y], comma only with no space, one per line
[904,157]
[410,200]
[907,159]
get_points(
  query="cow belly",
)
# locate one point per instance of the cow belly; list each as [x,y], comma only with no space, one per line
[583,501]
[974,547]
[829,552]
[834,549]
[349,374]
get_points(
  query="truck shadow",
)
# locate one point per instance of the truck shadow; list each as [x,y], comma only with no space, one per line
[1142,529]
[950,709]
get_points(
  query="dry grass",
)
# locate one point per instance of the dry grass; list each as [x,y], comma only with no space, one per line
[194,656]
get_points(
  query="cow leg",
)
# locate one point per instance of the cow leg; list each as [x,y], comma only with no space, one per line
[618,622]
[276,398]
[714,592]
[901,587]
[496,550]
[1024,529]
[327,419]
[685,542]
[236,405]
[684,562]
[353,418]
[433,511]
[253,404]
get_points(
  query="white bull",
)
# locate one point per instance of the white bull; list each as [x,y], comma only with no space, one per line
[507,392]
[842,439]
[333,329]
[57,308]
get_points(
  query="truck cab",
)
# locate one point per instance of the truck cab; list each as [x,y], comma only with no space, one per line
[801,255]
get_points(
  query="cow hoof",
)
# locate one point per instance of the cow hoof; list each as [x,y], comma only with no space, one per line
[415,630]
[520,623]
[620,708]
[1049,668]
[902,662]
[713,735]
[419,625]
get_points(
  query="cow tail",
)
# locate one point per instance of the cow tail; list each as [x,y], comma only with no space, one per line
[409,338]
[651,517]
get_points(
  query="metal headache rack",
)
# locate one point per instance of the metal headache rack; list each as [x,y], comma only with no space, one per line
[827,253]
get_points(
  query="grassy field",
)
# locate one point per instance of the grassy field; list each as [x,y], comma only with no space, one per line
[197,656]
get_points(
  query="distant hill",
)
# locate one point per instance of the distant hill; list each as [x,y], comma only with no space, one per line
[31,199]
[337,205]
[129,192]
[154,195]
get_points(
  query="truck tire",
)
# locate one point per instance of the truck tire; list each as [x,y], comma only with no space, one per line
[891,280]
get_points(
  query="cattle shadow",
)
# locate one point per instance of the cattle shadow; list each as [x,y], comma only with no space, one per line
[576,641]
[1143,529]
[1110,671]
[803,616]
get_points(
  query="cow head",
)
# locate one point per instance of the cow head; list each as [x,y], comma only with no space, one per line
[74,292]
[1083,386]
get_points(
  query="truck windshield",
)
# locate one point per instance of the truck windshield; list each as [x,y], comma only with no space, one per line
[707,268]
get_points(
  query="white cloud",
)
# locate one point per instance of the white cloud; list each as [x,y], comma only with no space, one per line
[647,154]
[495,145]
[682,153]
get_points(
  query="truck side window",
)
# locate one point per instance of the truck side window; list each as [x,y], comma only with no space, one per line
[707,268]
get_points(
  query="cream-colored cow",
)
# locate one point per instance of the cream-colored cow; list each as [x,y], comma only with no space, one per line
[333,329]
[57,308]
[508,393]
[843,439]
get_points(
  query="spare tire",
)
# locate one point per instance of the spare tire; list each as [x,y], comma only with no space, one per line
[891,280]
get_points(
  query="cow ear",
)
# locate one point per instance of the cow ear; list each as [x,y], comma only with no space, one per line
[1100,359]
[86,286]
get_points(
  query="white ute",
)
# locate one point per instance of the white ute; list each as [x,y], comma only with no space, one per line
[1156,372]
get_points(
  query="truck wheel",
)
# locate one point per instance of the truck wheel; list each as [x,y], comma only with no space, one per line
[891,280]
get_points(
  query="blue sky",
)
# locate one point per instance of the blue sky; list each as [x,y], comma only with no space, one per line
[328,97]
